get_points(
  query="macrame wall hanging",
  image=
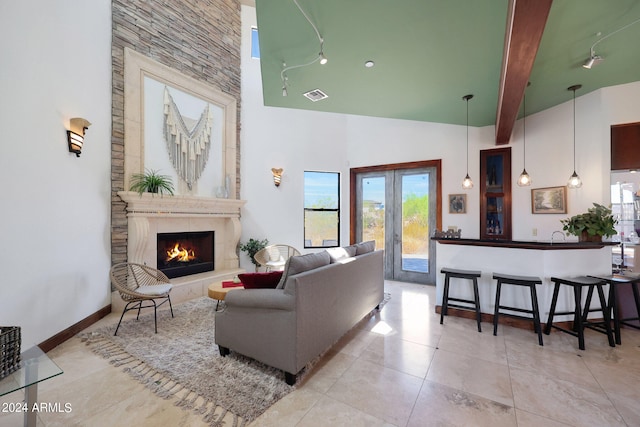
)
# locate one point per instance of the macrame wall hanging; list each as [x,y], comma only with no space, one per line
[188,147]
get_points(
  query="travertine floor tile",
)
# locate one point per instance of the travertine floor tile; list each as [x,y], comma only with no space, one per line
[472,375]
[439,405]
[382,392]
[398,368]
[563,400]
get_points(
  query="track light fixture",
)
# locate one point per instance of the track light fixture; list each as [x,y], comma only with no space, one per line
[467,183]
[596,59]
[321,57]
[574,179]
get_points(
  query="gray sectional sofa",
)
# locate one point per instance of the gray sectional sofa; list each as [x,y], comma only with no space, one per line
[320,297]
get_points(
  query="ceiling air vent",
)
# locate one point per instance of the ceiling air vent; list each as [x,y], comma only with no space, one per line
[316,95]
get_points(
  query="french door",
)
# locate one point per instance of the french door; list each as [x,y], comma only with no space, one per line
[397,207]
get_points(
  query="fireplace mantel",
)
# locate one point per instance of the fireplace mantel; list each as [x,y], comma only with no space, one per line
[150,214]
[147,204]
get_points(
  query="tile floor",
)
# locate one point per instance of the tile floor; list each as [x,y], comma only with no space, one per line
[399,367]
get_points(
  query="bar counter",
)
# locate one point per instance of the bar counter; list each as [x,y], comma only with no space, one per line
[521,244]
[522,258]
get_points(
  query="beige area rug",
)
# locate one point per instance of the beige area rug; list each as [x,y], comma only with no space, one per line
[182,361]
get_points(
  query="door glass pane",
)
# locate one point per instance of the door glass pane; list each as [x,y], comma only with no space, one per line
[494,215]
[373,190]
[415,222]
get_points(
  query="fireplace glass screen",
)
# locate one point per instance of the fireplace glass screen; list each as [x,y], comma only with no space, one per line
[182,254]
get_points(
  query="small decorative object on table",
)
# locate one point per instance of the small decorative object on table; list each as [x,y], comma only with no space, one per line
[10,342]
[449,234]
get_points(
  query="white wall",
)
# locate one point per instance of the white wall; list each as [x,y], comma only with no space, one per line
[56,64]
[304,140]
[294,140]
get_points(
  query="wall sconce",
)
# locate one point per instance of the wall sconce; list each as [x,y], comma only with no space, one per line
[75,135]
[277,176]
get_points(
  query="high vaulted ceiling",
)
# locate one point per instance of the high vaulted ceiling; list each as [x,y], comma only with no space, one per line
[428,54]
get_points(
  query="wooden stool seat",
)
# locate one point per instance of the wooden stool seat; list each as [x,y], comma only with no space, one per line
[579,318]
[470,304]
[528,281]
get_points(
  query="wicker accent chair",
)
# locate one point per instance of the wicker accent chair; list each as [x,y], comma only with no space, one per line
[274,257]
[138,283]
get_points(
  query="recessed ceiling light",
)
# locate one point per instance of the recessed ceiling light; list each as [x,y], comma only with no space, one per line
[369,64]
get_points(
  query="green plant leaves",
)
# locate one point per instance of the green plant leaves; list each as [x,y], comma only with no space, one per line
[151,182]
[598,220]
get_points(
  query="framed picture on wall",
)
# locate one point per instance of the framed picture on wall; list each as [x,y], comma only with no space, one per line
[549,200]
[457,203]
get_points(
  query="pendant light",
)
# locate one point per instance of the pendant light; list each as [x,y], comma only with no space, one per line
[524,179]
[467,184]
[574,179]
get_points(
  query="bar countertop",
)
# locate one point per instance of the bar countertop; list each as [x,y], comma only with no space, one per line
[519,244]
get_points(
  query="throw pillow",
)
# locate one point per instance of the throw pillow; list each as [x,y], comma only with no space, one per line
[299,263]
[365,247]
[260,280]
[338,254]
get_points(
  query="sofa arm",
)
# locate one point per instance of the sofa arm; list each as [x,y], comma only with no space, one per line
[274,299]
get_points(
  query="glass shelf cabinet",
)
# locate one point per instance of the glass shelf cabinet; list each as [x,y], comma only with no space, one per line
[495,194]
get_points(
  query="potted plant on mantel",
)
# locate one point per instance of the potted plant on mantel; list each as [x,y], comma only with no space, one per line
[591,225]
[252,247]
[151,182]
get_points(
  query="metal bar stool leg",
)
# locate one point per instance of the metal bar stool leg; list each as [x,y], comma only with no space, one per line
[536,313]
[496,311]
[477,300]
[552,310]
[577,294]
[613,309]
[445,298]
[607,316]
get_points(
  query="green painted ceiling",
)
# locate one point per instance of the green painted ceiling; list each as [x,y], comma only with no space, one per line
[430,53]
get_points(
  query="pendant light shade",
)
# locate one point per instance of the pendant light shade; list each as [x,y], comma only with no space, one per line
[467,183]
[524,179]
[574,179]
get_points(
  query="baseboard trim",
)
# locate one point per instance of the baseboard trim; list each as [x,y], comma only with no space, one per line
[72,330]
[504,319]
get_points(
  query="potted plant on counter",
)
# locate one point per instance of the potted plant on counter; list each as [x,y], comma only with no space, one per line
[151,182]
[590,226]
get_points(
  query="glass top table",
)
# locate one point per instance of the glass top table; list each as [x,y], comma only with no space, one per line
[35,367]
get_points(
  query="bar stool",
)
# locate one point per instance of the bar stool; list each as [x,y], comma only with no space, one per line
[528,281]
[579,322]
[615,281]
[473,304]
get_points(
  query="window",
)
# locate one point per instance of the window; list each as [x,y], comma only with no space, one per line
[255,43]
[321,209]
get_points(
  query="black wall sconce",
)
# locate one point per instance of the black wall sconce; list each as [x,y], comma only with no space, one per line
[75,134]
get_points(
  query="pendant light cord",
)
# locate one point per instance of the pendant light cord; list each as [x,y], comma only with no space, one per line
[524,130]
[467,136]
[574,130]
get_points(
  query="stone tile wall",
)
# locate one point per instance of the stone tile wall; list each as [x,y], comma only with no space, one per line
[199,38]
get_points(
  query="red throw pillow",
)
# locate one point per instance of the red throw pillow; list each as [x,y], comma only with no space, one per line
[260,280]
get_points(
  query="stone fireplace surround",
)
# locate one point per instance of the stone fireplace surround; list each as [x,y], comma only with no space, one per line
[150,214]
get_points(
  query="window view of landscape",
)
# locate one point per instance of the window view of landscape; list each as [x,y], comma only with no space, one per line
[321,209]
[415,218]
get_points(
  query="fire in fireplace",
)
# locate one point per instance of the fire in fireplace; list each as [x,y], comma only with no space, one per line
[182,254]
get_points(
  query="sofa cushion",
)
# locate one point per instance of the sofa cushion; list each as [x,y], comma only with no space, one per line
[338,254]
[260,280]
[365,247]
[299,263]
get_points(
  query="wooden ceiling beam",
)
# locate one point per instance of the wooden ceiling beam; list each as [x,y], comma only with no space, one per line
[526,20]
